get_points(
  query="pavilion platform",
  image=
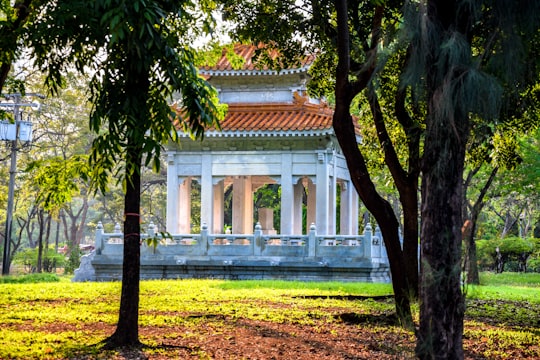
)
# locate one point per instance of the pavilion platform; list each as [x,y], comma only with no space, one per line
[308,257]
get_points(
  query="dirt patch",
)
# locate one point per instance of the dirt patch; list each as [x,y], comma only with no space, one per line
[343,335]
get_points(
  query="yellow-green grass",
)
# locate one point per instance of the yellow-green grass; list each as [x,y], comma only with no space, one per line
[56,320]
[27,311]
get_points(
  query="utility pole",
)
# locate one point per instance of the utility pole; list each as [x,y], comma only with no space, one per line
[6,261]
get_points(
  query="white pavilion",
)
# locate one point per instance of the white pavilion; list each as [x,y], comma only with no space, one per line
[273,133]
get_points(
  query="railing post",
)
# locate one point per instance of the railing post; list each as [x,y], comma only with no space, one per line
[312,240]
[384,254]
[367,242]
[99,238]
[204,238]
[151,230]
[258,240]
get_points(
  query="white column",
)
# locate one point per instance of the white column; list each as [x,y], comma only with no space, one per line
[287,195]
[172,196]
[219,212]
[297,208]
[332,196]
[242,213]
[354,209]
[345,220]
[311,217]
[184,205]
[207,191]
[323,193]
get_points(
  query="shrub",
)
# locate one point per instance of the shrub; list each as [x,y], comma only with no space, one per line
[485,254]
[29,279]
[29,258]
[534,265]
[514,253]
[73,261]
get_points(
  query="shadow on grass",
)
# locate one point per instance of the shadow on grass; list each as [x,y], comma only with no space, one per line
[372,319]
[504,313]
[101,351]
[347,297]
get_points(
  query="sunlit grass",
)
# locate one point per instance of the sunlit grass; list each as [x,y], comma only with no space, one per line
[30,278]
[510,279]
[507,286]
[31,313]
[54,320]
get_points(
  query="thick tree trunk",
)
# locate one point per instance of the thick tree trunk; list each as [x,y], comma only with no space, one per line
[442,306]
[127,329]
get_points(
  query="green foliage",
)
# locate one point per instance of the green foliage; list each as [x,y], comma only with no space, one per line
[142,61]
[73,260]
[515,246]
[269,196]
[29,257]
[512,249]
[29,278]
[485,253]
[158,238]
[534,264]
[57,180]
[15,17]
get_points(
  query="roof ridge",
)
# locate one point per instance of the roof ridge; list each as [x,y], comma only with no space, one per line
[251,64]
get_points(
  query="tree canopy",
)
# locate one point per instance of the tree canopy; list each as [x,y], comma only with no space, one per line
[138,55]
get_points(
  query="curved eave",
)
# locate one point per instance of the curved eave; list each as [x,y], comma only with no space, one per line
[259,133]
[264,72]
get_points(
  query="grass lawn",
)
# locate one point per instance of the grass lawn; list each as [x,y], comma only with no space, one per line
[213,319]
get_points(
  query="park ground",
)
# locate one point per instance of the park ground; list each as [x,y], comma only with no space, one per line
[211,319]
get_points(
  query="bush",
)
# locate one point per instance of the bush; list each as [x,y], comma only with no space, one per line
[514,246]
[514,253]
[29,279]
[73,261]
[534,265]
[485,254]
[29,257]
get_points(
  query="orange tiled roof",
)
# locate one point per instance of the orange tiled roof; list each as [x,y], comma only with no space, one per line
[300,118]
[247,52]
[277,118]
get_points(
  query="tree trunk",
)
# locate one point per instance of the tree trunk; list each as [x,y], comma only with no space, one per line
[406,181]
[41,221]
[344,129]
[57,236]
[409,202]
[471,263]
[442,306]
[77,220]
[127,329]
[471,260]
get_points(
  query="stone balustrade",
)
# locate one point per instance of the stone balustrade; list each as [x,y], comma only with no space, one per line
[247,256]
[312,245]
